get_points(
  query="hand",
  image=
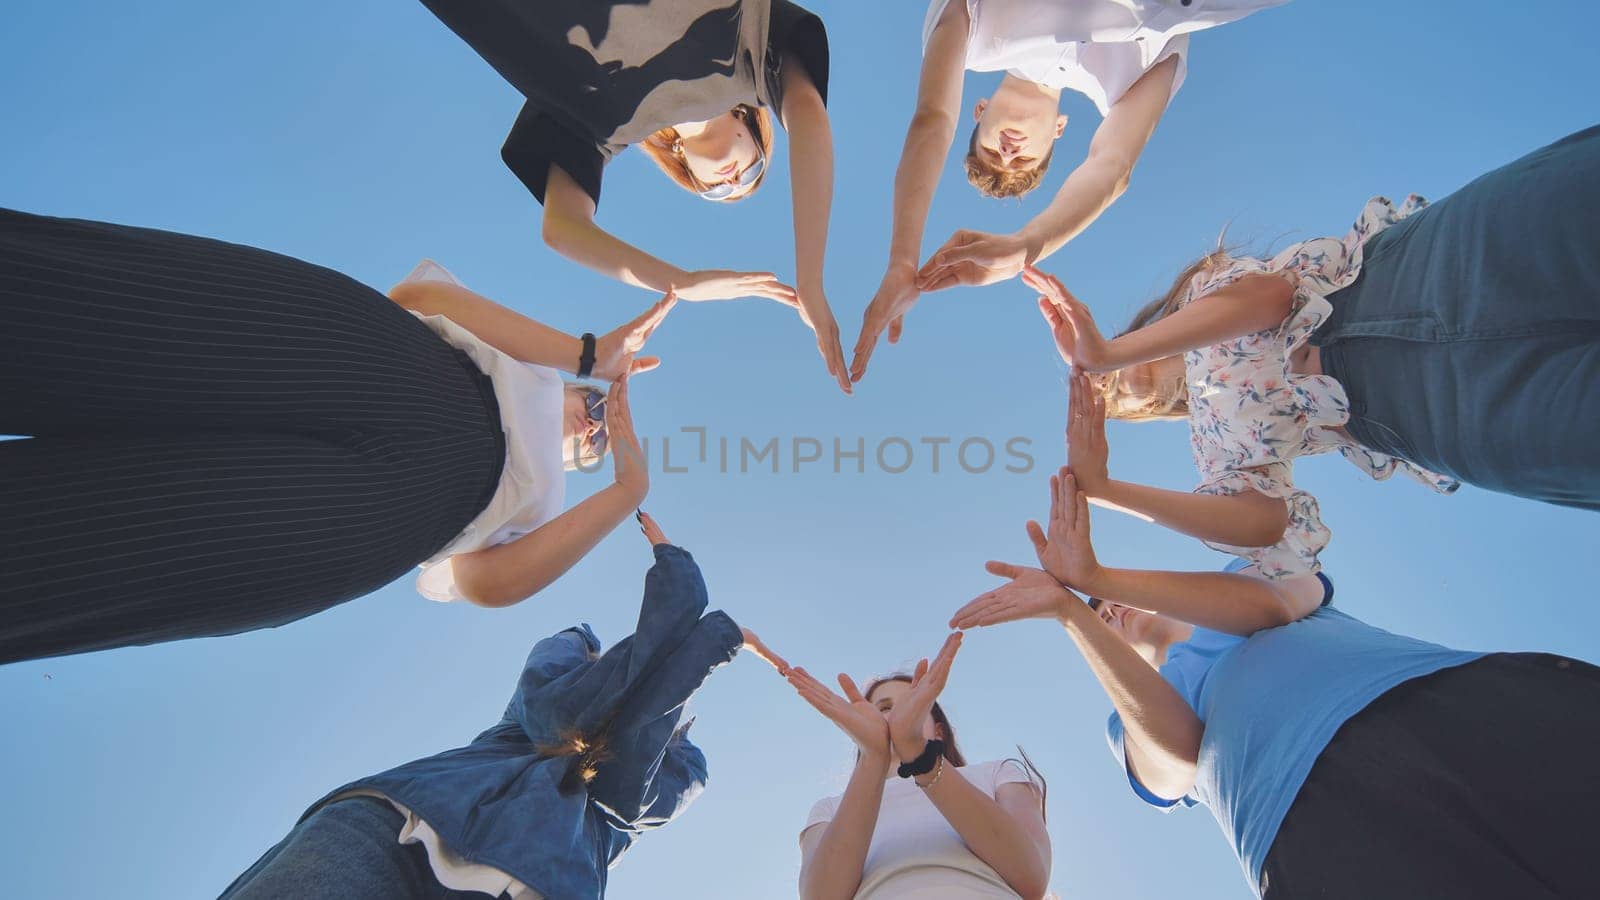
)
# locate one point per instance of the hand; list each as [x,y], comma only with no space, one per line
[754,645]
[1030,594]
[973,258]
[827,332]
[630,469]
[652,530]
[911,710]
[614,351]
[1087,451]
[895,297]
[1065,551]
[724,284]
[852,713]
[1078,338]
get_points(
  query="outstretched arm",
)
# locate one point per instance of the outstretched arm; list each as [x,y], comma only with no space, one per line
[1162,731]
[1248,519]
[805,117]
[1104,174]
[927,144]
[1231,603]
[570,229]
[974,258]
[1247,305]
[509,573]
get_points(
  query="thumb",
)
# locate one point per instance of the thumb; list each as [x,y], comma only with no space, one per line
[1004,570]
[896,325]
[644,364]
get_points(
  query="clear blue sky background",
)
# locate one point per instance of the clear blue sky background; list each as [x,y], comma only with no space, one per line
[363,135]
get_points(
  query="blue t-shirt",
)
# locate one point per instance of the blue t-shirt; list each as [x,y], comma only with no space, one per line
[1270,704]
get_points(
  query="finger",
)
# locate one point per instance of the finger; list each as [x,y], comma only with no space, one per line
[974,606]
[1069,501]
[865,344]
[1082,506]
[851,692]
[833,355]
[1004,570]
[997,614]
[1052,316]
[896,326]
[951,278]
[920,671]
[644,364]
[1036,535]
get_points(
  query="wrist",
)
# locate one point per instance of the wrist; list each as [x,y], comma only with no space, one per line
[1031,241]
[874,760]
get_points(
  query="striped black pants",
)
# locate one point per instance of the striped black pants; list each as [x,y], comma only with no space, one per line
[215,438]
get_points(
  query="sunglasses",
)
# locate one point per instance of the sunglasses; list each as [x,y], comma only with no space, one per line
[742,180]
[594,406]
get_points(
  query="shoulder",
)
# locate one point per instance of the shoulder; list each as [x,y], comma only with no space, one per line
[796,36]
[538,141]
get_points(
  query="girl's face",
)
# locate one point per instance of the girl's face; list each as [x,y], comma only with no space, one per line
[884,697]
[577,429]
[719,150]
[1146,386]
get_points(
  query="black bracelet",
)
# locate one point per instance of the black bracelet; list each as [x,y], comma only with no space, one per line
[586,358]
[923,764]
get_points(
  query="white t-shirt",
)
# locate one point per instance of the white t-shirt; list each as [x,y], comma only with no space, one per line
[915,854]
[1098,48]
[533,483]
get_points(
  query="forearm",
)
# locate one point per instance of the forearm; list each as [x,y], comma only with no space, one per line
[921,161]
[1220,601]
[1089,191]
[509,332]
[1242,520]
[1251,304]
[833,868]
[1162,733]
[991,833]
[508,573]
[591,246]
[811,182]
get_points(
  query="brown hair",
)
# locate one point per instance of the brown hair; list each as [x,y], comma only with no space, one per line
[666,151]
[993,181]
[1176,404]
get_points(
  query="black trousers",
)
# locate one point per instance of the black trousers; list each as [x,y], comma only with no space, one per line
[1479,781]
[217,438]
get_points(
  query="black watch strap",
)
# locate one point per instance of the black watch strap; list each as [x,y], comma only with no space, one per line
[586,358]
[923,764]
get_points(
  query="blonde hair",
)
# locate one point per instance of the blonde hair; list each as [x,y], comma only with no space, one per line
[586,756]
[665,149]
[1169,401]
[993,181]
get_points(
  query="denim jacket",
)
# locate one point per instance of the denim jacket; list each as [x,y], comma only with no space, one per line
[505,801]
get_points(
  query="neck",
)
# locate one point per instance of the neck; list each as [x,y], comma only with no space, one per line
[1024,87]
[1155,650]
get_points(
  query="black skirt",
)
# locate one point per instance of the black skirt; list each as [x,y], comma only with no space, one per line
[1478,781]
[216,438]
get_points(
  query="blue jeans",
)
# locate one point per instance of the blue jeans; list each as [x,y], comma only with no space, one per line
[347,850]
[1470,342]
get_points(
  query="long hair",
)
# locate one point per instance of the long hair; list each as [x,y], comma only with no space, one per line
[1173,403]
[586,754]
[665,149]
[993,181]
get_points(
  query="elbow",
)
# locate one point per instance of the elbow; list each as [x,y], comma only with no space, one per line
[933,123]
[411,295]
[1268,527]
[558,232]
[1034,885]
[483,588]
[1116,169]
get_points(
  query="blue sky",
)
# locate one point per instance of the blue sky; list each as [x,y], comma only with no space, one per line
[363,135]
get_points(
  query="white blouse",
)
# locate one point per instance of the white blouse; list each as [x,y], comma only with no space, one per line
[1250,417]
[533,483]
[1098,48]
[915,853]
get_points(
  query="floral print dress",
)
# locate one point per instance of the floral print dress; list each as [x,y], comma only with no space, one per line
[1250,417]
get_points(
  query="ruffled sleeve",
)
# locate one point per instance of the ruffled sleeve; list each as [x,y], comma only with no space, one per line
[1303,537]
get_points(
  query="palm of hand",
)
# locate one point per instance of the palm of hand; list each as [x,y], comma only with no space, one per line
[867,727]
